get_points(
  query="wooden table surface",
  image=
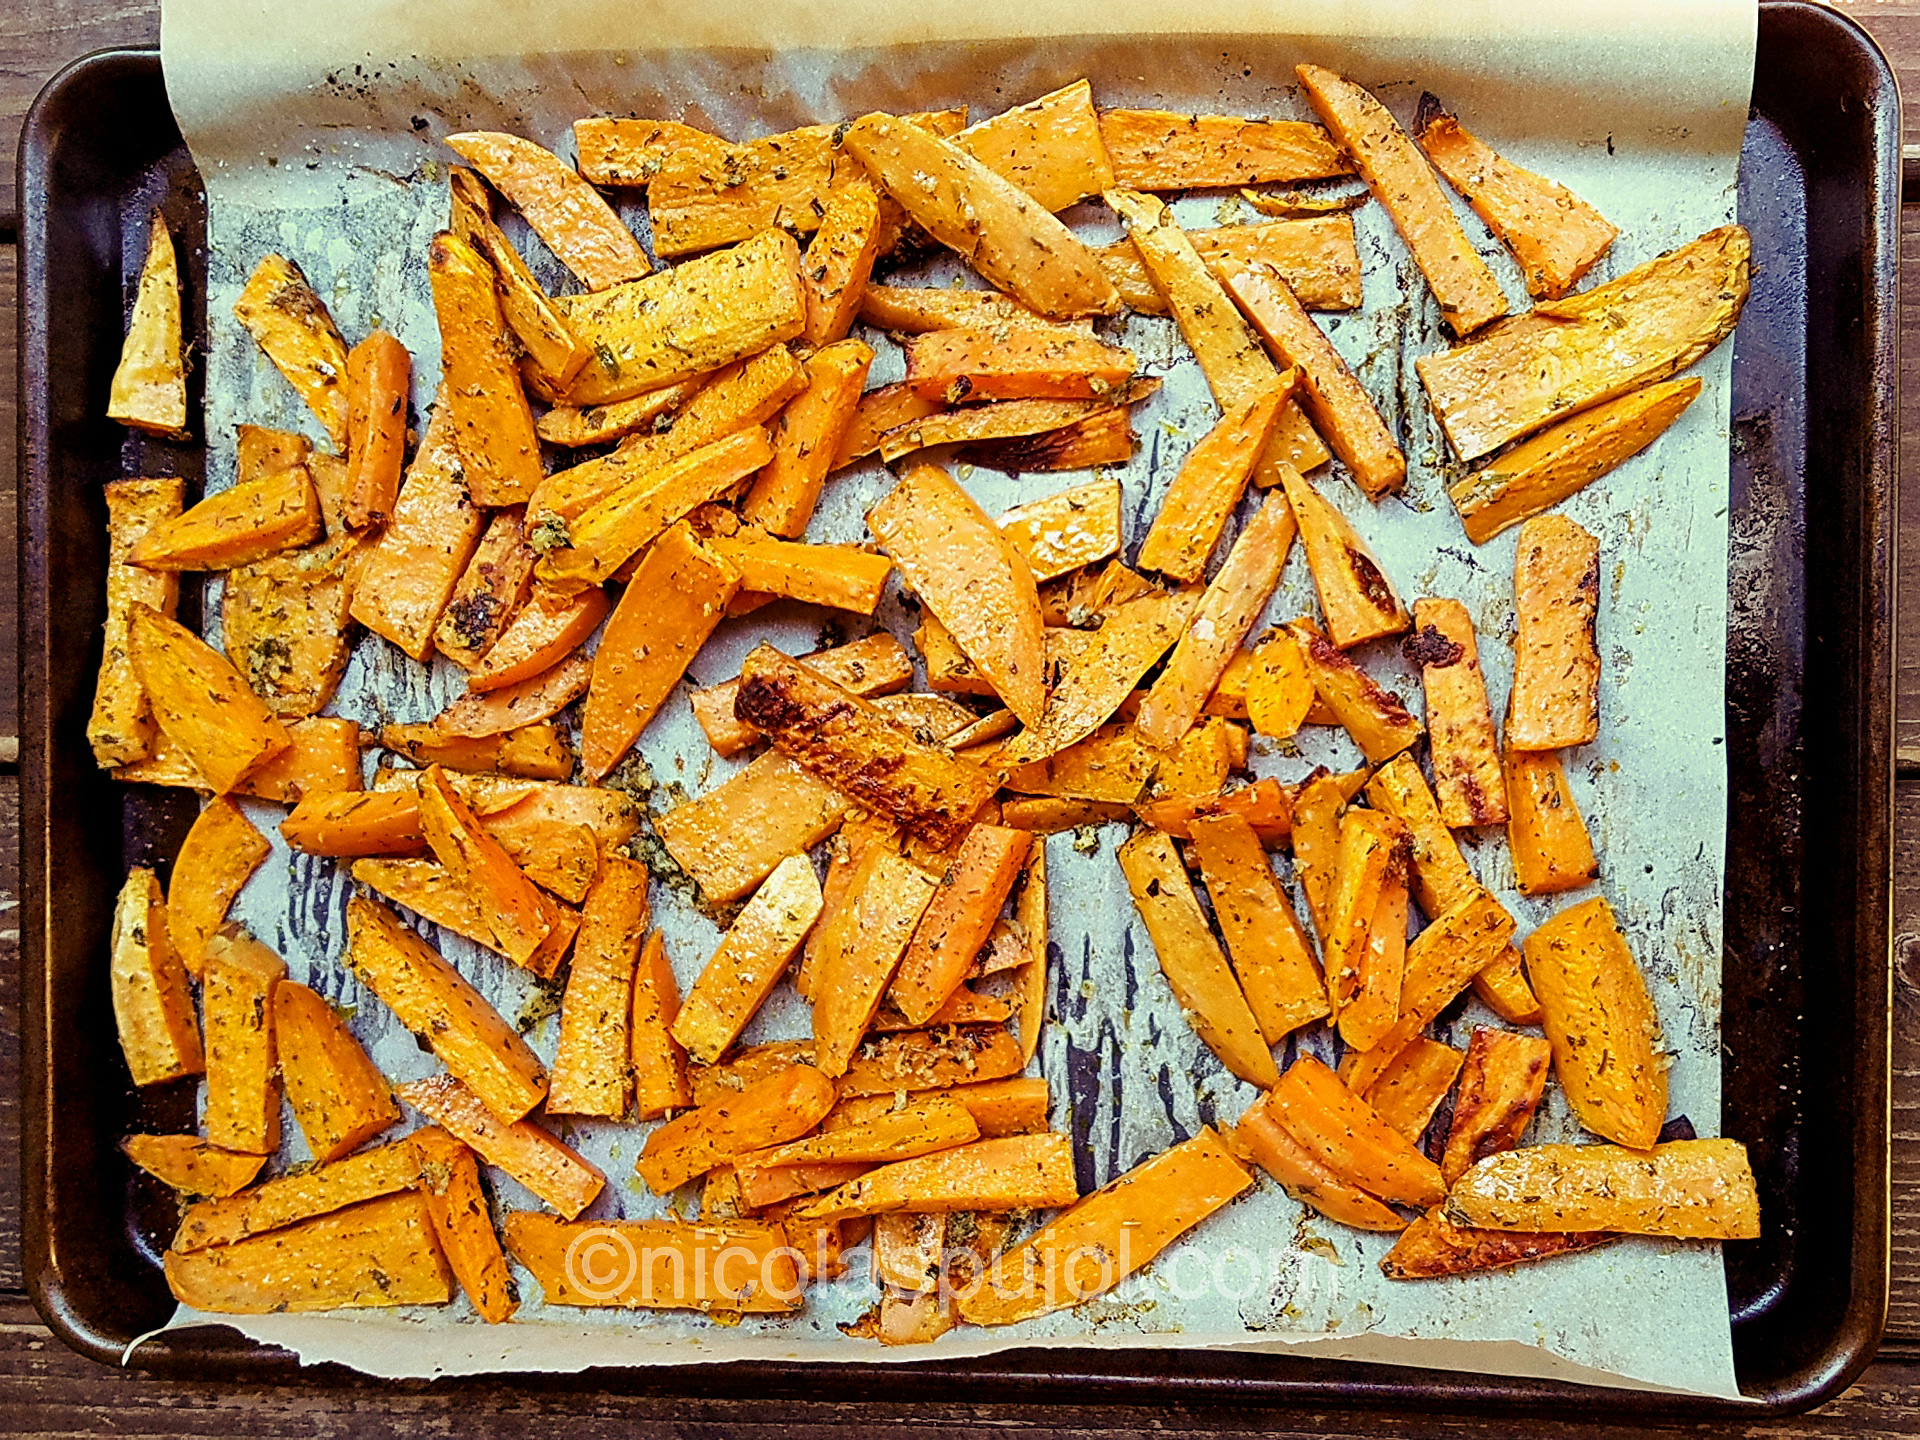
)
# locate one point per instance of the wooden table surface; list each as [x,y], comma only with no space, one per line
[46,1389]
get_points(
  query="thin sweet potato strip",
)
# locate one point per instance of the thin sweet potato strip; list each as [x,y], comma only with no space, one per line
[1554,702]
[1270,953]
[121,728]
[149,389]
[859,949]
[479,383]
[1210,482]
[530,1154]
[1685,1189]
[752,956]
[578,226]
[1466,759]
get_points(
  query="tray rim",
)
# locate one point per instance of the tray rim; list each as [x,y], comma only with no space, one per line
[211,1351]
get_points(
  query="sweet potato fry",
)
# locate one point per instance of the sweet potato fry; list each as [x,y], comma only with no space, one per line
[379,376]
[848,742]
[1600,1022]
[1340,409]
[488,875]
[1279,692]
[1433,1246]
[1266,805]
[244,522]
[1441,961]
[630,152]
[1191,958]
[152,1004]
[410,571]
[781,1107]
[200,701]
[1365,954]
[382,823]
[537,752]
[1502,987]
[643,416]
[1400,180]
[463,1222]
[1307,1178]
[1657,318]
[919,1127]
[242,1110]
[1466,761]
[838,261]
[1030,984]
[859,949]
[994,226]
[875,665]
[1013,364]
[1113,765]
[751,958]
[190,1165]
[1016,1105]
[531,1155]
[553,355]
[480,386]
[578,226]
[1050,147]
[839,577]
[549,626]
[1555,699]
[220,852]
[1500,1086]
[1685,1189]
[1440,875]
[914,1060]
[381,1252]
[1412,1087]
[149,389]
[1563,459]
[1160,150]
[687,321]
[291,324]
[1270,954]
[121,728]
[1546,837]
[1109,1234]
[480,713]
[730,839]
[1375,718]
[1315,832]
[430,998]
[1227,611]
[323,760]
[903,310]
[340,1101]
[1052,814]
[659,1064]
[1554,234]
[806,438]
[1342,1131]
[977,882]
[1011,1173]
[1316,257]
[290,1199]
[737,1267]
[593,1064]
[1066,530]
[1355,594]
[1210,482]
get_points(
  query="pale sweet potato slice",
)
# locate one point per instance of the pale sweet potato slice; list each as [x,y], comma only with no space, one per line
[615,151]
[1003,233]
[1210,482]
[578,226]
[1684,1190]
[242,1110]
[1067,529]
[291,324]
[480,385]
[1546,837]
[1554,702]
[1356,596]
[1590,347]
[1051,147]
[340,1100]
[915,1060]
[149,389]
[730,839]
[550,1169]
[244,522]
[1401,181]
[1269,950]
[1161,150]
[1554,234]
[1318,259]
[152,1004]
[736,1267]
[659,1064]
[1011,1173]
[1109,1234]
[1191,958]
[859,948]
[1466,759]
[190,1165]
[781,1107]
[201,702]
[806,438]
[121,728]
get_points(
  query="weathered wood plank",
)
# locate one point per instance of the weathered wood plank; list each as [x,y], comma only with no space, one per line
[1907,561]
[10,1270]
[9,513]
[1903,1312]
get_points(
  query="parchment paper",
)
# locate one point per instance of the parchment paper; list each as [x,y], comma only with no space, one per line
[316,129]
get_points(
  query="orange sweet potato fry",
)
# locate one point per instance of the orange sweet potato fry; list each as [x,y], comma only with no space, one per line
[201,702]
[738,1266]
[1434,1246]
[1555,699]
[152,1002]
[1379,724]
[908,311]
[659,1064]
[806,438]
[1355,594]
[859,948]
[914,1060]
[1545,834]
[630,152]
[463,1223]
[1412,1087]
[537,752]
[1466,761]
[752,956]
[220,852]
[1210,483]
[379,375]
[149,388]
[479,383]
[919,1127]
[1270,953]
[1342,1131]
[531,1155]
[1502,987]
[1501,1083]
[291,324]
[376,823]
[563,209]
[490,591]
[289,1199]
[243,523]
[1266,805]
[874,665]
[1050,147]
[497,886]
[1009,364]
[1010,1173]
[730,839]
[340,1101]
[976,884]
[839,577]
[593,1061]
[1030,984]
[554,355]
[1365,958]
[1261,1138]
[192,1166]
[1162,150]
[879,413]
[480,713]
[550,626]
[242,1109]
[781,1107]
[838,261]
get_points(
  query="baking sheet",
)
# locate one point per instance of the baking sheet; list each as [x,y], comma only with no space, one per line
[319,138]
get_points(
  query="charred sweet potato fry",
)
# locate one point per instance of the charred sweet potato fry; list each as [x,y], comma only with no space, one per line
[548,627]
[1355,594]
[531,1155]
[242,1109]
[1261,1138]
[291,324]
[805,439]
[1342,1131]
[289,1199]
[1398,176]
[1051,147]
[490,590]
[1375,718]
[1574,353]
[340,1101]
[1545,835]
[410,571]
[782,1107]
[121,728]
[1270,953]
[200,701]
[220,852]
[1554,234]
[1191,958]
[1210,482]
[1685,1189]
[578,226]
[244,522]
[152,1004]
[1340,409]
[480,385]
[149,389]
[1233,600]
[430,998]
[1433,1246]
[687,321]
[1555,699]
[1466,760]
[739,1266]
[381,1252]
[875,665]
[190,1165]
[1500,1087]
[379,376]
[993,225]
[859,949]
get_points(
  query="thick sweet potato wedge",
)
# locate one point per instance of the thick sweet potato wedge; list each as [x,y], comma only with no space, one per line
[496,886]
[152,1004]
[380,823]
[1440,875]
[149,389]
[1191,958]
[290,1199]
[1355,594]
[121,728]
[550,1169]
[1066,530]
[578,226]
[1011,364]
[190,1165]
[1398,176]
[1433,1246]
[1555,699]
[1365,953]
[630,152]
[1466,761]
[1210,482]
[1270,953]
[781,1107]
[1108,1235]
[730,839]
[659,1064]
[220,852]
[1554,234]
[593,1061]
[993,225]
[1500,1087]
[859,948]
[480,385]
[242,1109]
[200,701]
[1545,835]
[463,1222]
[1684,1190]
[340,1101]
[379,375]
[291,324]
[382,1252]
[1412,1087]
[1050,147]
[739,1266]
[554,356]
[1590,347]
[433,1000]
[244,522]
[1308,1179]
[1342,1131]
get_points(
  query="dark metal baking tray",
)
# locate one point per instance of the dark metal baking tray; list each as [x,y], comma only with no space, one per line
[1809,748]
